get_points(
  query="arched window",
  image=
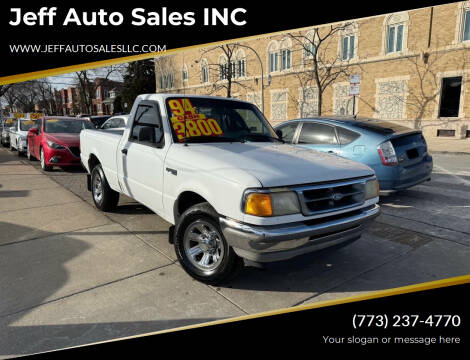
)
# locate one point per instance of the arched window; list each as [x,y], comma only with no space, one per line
[348,42]
[286,62]
[223,71]
[396,32]
[241,63]
[309,45]
[204,71]
[273,56]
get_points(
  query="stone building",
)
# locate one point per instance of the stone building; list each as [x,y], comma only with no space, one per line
[414,68]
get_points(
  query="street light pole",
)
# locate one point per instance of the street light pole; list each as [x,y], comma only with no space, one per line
[262,74]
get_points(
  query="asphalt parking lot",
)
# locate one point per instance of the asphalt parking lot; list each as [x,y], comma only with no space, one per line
[73,275]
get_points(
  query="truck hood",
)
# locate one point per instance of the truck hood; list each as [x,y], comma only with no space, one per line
[272,164]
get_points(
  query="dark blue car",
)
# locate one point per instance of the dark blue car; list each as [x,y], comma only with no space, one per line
[398,155]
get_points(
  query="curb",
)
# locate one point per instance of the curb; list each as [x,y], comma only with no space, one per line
[449,152]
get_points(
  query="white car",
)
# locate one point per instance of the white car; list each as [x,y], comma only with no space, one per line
[117,122]
[19,134]
[215,168]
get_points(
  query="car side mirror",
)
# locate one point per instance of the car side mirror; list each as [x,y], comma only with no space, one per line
[34,131]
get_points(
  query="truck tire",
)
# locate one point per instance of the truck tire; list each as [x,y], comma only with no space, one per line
[104,197]
[201,247]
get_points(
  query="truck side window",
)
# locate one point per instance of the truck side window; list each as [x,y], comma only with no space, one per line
[319,134]
[145,116]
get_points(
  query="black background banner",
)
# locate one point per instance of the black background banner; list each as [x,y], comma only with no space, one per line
[261,18]
[303,332]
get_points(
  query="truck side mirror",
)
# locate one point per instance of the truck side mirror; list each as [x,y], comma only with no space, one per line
[279,133]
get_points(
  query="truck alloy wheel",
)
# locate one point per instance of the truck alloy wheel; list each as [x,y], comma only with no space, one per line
[201,247]
[104,197]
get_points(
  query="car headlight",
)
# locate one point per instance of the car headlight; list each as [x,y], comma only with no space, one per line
[54,145]
[372,189]
[272,203]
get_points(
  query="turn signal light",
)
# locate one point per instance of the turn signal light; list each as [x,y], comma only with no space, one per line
[258,205]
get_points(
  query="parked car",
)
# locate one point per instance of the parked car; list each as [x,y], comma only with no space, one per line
[98,121]
[8,123]
[215,168]
[398,155]
[116,122]
[19,134]
[55,141]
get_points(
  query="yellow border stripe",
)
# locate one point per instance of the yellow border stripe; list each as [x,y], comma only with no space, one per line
[459,280]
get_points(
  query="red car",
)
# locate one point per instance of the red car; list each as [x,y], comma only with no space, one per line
[55,141]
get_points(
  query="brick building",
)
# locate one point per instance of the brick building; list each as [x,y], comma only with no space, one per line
[106,92]
[414,68]
[68,99]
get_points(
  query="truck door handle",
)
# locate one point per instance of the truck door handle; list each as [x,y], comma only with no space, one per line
[331,152]
[172,171]
[124,151]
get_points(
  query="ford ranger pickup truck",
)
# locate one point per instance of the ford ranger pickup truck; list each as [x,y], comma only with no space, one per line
[216,169]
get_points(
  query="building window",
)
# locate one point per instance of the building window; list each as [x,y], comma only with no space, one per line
[204,72]
[450,97]
[273,56]
[241,63]
[348,43]
[185,73]
[286,46]
[279,105]
[310,48]
[285,63]
[391,99]
[166,81]
[466,26]
[395,38]
[308,102]
[98,93]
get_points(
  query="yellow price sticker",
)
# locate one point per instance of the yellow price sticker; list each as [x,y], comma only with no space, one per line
[18,115]
[52,120]
[9,121]
[28,122]
[34,116]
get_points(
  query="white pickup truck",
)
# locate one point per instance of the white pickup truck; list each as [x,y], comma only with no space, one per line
[216,169]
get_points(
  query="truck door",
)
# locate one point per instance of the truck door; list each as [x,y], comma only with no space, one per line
[141,158]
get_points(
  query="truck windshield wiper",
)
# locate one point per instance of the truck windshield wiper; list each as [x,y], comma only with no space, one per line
[198,139]
[263,136]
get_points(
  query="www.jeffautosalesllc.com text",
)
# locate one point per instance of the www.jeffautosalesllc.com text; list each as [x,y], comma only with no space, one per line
[140,16]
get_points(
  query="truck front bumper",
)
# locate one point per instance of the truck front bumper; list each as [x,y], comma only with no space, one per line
[282,242]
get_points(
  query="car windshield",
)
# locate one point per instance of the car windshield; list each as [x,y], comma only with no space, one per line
[217,120]
[66,126]
[25,125]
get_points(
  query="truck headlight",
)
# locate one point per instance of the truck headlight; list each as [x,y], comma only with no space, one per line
[272,203]
[372,189]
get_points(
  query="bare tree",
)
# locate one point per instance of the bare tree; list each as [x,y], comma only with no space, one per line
[165,71]
[227,72]
[322,64]
[88,82]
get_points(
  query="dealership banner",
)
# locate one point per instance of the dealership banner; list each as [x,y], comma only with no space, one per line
[45,35]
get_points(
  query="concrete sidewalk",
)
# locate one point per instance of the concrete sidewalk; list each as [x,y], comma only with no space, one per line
[446,145]
[71,275]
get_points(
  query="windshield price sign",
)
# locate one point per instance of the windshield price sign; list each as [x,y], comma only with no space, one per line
[187,122]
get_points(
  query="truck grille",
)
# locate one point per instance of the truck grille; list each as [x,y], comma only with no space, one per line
[324,198]
[75,150]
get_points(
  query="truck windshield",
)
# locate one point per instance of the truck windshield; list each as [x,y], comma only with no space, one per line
[210,120]
[25,125]
[66,126]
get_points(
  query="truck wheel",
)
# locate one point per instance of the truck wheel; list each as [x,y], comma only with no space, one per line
[104,197]
[44,166]
[201,247]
